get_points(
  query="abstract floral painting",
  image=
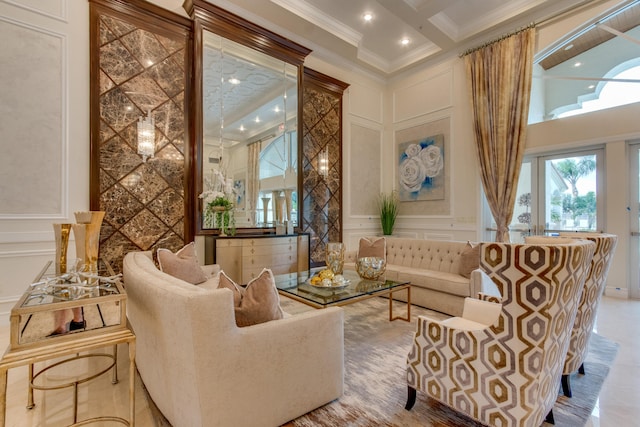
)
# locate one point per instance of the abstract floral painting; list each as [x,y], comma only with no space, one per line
[421,169]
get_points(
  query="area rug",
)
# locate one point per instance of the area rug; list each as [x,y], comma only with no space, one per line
[375,389]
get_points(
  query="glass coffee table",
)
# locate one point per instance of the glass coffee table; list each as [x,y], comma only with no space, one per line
[296,286]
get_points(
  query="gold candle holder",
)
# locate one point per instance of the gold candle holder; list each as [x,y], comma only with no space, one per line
[61,234]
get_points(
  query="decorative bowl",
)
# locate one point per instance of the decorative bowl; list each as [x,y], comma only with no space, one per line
[371,267]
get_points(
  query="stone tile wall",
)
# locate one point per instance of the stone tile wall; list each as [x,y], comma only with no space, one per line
[144,202]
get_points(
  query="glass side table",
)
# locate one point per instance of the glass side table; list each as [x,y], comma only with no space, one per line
[33,322]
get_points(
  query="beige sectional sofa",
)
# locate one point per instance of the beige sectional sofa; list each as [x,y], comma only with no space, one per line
[202,370]
[433,267]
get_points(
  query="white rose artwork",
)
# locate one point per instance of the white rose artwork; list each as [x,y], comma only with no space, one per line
[421,164]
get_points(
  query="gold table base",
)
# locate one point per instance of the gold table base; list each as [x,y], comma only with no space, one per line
[39,353]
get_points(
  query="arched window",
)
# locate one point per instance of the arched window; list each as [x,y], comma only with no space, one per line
[593,68]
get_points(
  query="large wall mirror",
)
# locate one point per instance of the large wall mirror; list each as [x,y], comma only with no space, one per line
[250,142]
[247,87]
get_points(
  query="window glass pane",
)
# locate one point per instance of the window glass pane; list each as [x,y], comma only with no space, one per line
[570,196]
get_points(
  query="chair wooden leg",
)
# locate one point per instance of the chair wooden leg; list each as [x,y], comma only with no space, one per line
[566,385]
[549,419]
[581,369]
[411,398]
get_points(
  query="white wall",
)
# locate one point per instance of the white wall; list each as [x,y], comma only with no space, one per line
[26,234]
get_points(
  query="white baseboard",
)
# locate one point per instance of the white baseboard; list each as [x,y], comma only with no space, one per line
[622,293]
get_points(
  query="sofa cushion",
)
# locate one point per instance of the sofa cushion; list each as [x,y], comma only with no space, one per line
[440,281]
[258,302]
[469,259]
[372,248]
[182,265]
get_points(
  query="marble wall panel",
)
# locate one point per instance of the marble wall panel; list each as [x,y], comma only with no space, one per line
[321,196]
[144,201]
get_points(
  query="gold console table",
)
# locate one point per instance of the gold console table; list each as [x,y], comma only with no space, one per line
[32,321]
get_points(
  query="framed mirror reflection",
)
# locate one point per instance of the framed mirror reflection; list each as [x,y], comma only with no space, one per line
[249,144]
[247,87]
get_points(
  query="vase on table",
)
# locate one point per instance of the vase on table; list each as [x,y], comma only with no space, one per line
[61,234]
[335,257]
[87,236]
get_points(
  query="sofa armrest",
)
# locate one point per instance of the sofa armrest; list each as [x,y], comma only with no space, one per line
[278,362]
[482,287]
[482,312]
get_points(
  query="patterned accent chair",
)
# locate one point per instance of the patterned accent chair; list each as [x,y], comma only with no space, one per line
[504,371]
[589,302]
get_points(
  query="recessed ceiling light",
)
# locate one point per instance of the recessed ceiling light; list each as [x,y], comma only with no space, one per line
[568,47]
[591,86]
[367,16]
[234,81]
[577,64]
[405,41]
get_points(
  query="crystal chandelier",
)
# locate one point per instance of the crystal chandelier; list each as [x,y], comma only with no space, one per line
[146,137]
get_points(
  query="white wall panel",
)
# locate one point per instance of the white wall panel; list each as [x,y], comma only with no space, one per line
[424,97]
[364,168]
[56,9]
[32,119]
[44,169]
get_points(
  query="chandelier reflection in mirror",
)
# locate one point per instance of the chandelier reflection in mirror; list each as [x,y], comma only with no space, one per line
[146,137]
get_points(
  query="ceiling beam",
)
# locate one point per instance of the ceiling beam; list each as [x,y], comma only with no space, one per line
[419,19]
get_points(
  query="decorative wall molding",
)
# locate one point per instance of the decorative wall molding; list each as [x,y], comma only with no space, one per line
[35,7]
[11,237]
[30,253]
[37,152]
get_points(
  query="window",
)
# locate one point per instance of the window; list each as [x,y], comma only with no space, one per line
[597,67]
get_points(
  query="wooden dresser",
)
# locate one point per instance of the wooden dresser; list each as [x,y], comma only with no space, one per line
[243,257]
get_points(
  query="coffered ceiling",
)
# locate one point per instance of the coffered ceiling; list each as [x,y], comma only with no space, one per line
[337,30]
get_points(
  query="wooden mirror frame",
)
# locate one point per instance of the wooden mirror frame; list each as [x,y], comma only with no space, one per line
[207,16]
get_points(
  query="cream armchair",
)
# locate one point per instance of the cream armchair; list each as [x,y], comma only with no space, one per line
[202,370]
[503,368]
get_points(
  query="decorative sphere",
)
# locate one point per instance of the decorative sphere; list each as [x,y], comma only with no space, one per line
[371,267]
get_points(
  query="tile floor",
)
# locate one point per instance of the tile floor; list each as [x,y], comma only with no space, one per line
[618,405]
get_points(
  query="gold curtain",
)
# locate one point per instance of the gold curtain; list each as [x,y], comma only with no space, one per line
[499,81]
[253,179]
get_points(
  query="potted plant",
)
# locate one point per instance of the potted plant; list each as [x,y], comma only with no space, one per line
[388,206]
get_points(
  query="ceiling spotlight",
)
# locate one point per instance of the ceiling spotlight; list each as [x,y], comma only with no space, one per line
[591,86]
[367,16]
[577,64]
[568,47]
[234,81]
[257,120]
[405,41]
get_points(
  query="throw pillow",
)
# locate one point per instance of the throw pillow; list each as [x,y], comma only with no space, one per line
[370,248]
[182,265]
[469,260]
[258,302]
[226,282]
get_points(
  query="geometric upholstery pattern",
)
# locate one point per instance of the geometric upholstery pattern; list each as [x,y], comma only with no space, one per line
[506,374]
[593,289]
